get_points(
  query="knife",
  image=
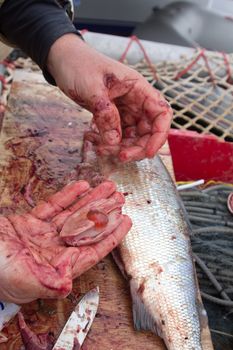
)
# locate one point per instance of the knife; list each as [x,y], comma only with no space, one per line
[79,322]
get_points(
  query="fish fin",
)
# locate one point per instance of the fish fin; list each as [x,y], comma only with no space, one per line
[118,260]
[141,317]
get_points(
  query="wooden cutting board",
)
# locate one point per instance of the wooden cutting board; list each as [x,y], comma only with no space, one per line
[40,145]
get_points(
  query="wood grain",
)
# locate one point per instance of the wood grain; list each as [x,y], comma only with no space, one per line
[4,51]
[40,144]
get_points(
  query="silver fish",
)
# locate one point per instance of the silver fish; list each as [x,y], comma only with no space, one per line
[156,254]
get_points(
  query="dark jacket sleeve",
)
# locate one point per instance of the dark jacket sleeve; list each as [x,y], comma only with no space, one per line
[34,26]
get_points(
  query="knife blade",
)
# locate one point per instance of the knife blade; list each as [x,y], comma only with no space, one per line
[79,322]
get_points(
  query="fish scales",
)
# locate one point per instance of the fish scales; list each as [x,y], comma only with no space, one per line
[156,254]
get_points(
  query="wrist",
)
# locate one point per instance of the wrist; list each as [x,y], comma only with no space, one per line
[62,51]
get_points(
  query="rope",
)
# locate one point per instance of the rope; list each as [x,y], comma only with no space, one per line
[146,57]
[228,67]
[212,242]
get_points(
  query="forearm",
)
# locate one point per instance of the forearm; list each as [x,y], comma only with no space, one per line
[66,52]
[34,26]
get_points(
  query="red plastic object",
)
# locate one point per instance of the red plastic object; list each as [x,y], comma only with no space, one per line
[197,156]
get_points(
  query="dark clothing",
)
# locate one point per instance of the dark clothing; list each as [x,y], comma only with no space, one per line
[34,26]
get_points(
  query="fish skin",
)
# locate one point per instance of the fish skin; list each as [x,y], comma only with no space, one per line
[156,254]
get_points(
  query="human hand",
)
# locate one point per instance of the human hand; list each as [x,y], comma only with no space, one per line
[35,259]
[131,119]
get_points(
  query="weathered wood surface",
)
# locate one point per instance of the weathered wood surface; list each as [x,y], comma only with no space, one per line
[40,144]
[4,51]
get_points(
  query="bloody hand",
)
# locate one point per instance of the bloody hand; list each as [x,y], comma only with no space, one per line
[42,251]
[131,118]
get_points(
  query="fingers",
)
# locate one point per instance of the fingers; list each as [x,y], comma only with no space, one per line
[104,190]
[91,255]
[151,133]
[154,105]
[93,137]
[131,153]
[107,120]
[60,200]
[106,150]
[142,111]
[136,152]
[93,221]
[127,118]
[155,142]
[95,234]
[143,127]
[160,129]
[159,115]
[68,194]
[130,132]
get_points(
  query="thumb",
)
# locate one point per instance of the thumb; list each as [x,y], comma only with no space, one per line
[107,119]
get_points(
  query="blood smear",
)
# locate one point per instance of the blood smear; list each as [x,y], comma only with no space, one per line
[98,217]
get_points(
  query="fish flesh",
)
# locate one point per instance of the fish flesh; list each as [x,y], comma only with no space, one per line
[156,254]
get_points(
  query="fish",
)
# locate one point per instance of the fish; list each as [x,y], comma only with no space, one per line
[156,254]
